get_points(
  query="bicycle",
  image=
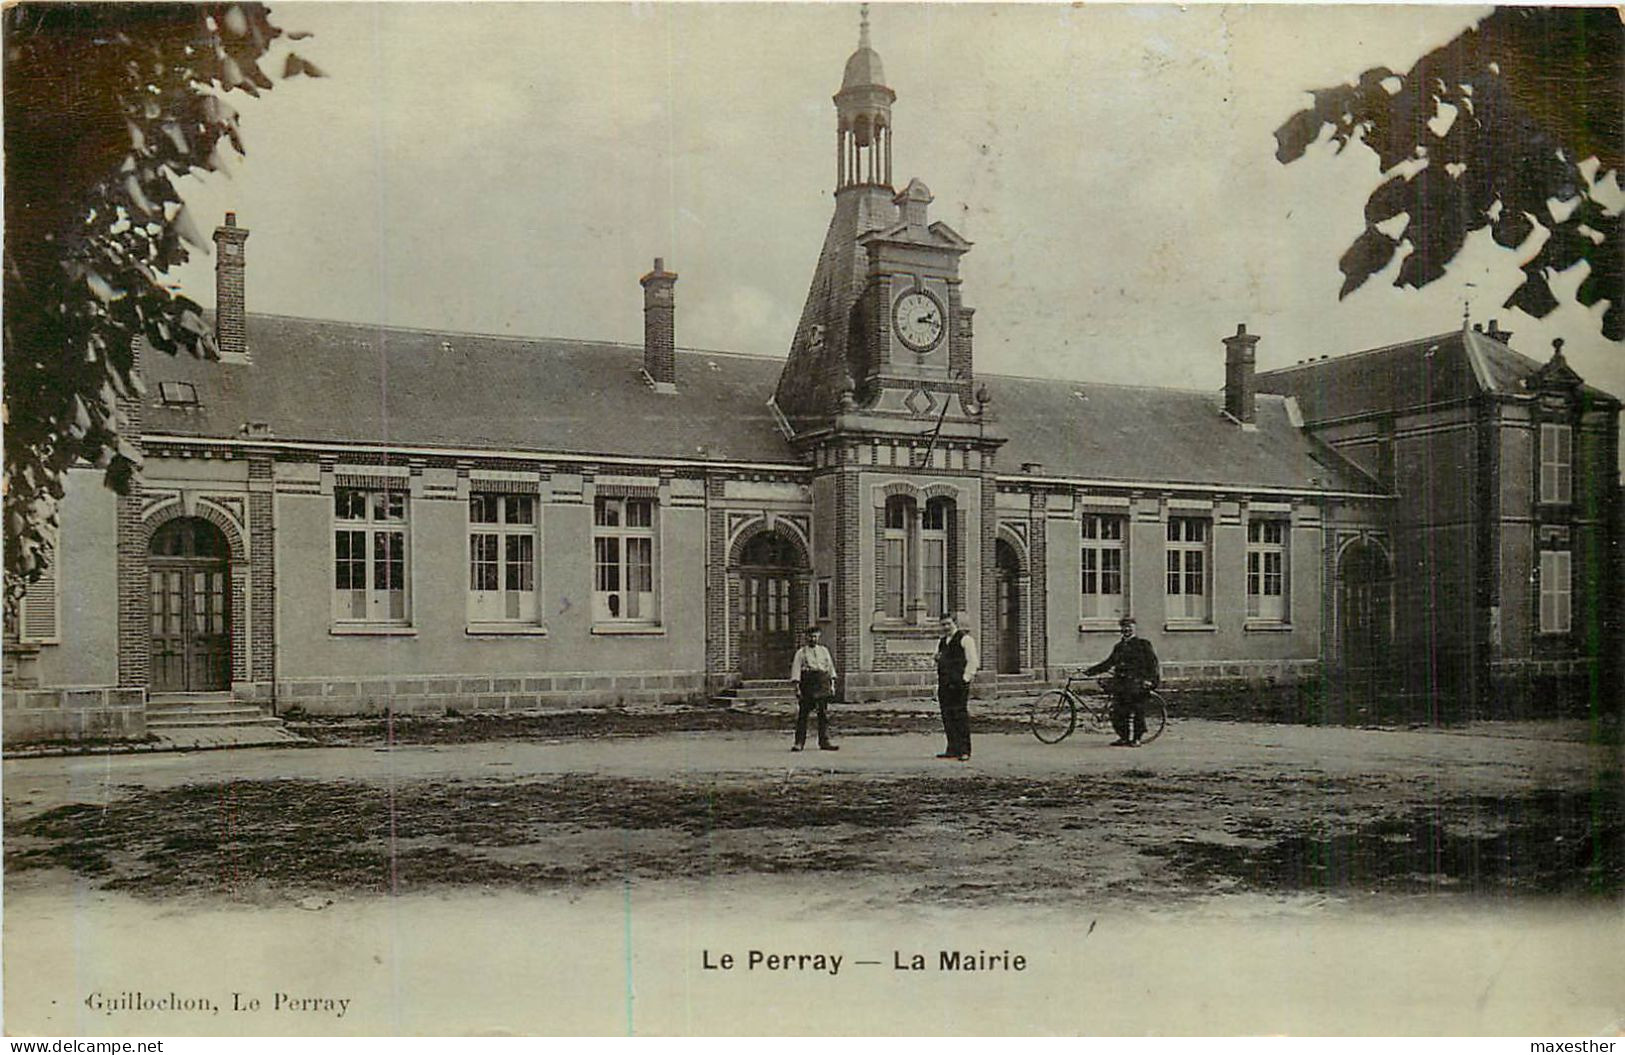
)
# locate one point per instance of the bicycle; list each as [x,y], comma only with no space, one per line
[1055,713]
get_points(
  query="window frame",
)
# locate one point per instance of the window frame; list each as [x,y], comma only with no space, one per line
[896,537]
[1260,548]
[1097,546]
[372,526]
[1182,553]
[493,612]
[1561,608]
[623,533]
[935,533]
[1556,464]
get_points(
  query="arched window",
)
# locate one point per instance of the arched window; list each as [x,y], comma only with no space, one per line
[918,557]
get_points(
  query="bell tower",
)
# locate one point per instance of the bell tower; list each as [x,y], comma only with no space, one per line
[878,396]
[863,118]
[817,373]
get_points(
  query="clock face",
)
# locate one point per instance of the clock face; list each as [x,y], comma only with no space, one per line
[917,318]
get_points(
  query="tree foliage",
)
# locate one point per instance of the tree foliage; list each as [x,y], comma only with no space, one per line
[1490,130]
[106,107]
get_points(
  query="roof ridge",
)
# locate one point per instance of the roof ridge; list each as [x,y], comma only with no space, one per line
[1362,352]
[1098,384]
[517,338]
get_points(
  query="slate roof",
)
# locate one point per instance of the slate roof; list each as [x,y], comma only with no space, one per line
[320,381]
[1162,435]
[1399,377]
[335,381]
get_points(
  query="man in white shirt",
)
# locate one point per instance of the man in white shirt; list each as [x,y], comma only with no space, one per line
[957,663]
[813,672]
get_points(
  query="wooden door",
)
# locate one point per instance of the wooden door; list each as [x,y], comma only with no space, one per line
[1009,610]
[191,609]
[767,637]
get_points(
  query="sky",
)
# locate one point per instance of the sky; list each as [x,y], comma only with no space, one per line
[514,168]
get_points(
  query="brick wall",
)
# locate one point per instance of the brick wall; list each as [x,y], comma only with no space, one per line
[1036,627]
[989,639]
[717,601]
[133,603]
[262,574]
[849,602]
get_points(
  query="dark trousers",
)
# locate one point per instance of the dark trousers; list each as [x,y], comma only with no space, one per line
[808,703]
[954,698]
[1128,711]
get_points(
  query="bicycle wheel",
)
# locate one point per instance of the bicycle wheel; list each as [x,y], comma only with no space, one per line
[1053,716]
[1156,716]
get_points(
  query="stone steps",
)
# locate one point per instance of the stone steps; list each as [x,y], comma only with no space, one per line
[213,719]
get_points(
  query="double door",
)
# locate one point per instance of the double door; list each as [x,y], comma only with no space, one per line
[191,626]
[767,634]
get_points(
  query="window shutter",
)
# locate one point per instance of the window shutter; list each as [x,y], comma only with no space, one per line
[40,621]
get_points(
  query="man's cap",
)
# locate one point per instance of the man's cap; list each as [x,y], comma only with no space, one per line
[1127,620]
[814,630]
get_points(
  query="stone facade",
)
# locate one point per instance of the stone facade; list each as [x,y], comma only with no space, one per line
[539,559]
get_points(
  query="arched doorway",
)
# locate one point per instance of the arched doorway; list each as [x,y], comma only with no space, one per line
[190,606]
[1008,601]
[770,607]
[1365,582]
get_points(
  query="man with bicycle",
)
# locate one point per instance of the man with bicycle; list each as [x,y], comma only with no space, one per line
[1135,672]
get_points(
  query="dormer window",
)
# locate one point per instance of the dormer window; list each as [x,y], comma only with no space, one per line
[177,393]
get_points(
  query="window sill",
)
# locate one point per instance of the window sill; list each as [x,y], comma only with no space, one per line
[898,626]
[1190,628]
[1266,626]
[371,630]
[1099,626]
[628,629]
[505,630]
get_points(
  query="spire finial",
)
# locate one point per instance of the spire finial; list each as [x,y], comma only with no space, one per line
[863,25]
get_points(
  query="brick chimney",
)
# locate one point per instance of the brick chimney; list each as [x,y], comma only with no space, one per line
[230,323]
[1239,362]
[659,330]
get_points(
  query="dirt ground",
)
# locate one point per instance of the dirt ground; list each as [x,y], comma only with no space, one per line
[1233,878]
[1210,808]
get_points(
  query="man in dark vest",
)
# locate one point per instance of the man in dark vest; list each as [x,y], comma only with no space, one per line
[813,671]
[1136,671]
[957,663]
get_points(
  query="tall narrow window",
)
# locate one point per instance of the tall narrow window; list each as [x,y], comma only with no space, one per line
[1556,464]
[501,558]
[1556,592]
[1188,569]
[369,556]
[897,522]
[624,560]
[1102,564]
[935,526]
[1266,570]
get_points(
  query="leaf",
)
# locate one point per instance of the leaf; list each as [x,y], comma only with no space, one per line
[187,228]
[1512,228]
[103,289]
[132,188]
[1533,298]
[1369,254]
[296,66]
[1389,200]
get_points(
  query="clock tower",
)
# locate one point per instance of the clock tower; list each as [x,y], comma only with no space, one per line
[878,394]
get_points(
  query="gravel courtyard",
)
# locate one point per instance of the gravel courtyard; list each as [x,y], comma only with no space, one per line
[1217,825]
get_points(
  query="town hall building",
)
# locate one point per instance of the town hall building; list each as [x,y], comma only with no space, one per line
[348,519]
